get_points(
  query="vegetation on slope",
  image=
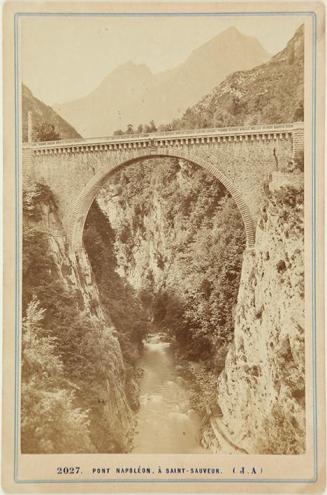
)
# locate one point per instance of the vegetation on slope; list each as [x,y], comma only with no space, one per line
[50,420]
[268,94]
[68,353]
[115,294]
[44,120]
[192,227]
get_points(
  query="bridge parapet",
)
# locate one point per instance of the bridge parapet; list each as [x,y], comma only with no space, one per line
[166,139]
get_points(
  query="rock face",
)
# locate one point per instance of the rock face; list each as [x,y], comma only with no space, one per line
[261,390]
[85,338]
[179,243]
[157,212]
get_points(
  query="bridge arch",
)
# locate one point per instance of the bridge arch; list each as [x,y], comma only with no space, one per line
[85,199]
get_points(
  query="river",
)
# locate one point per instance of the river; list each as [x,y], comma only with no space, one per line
[166,423]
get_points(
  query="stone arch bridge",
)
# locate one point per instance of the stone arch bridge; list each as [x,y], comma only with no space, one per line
[241,158]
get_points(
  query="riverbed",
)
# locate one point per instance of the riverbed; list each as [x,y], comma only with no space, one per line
[165,422]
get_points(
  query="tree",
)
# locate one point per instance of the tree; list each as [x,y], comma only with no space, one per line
[49,421]
[153,127]
[45,132]
[299,113]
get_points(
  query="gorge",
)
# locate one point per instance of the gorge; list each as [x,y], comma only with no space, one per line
[164,249]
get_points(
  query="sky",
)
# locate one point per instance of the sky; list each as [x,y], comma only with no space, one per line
[64,58]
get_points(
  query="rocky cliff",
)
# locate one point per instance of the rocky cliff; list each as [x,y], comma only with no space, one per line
[261,391]
[75,333]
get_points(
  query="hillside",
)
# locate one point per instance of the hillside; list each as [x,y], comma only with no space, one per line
[43,113]
[132,94]
[270,93]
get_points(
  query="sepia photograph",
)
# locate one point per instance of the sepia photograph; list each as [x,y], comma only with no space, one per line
[163,215]
[163,278]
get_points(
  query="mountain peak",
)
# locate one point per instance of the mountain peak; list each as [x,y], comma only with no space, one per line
[232,30]
[132,94]
[269,93]
[127,73]
[130,66]
[235,42]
